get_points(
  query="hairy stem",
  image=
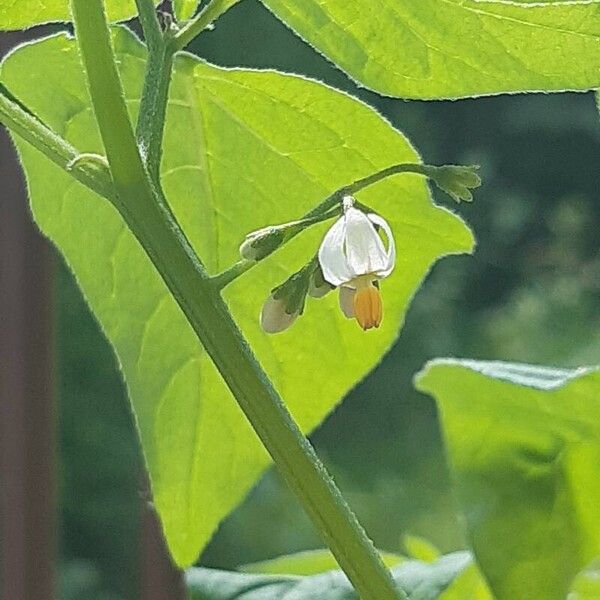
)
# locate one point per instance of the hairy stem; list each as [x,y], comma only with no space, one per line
[201,21]
[152,223]
[155,92]
[150,24]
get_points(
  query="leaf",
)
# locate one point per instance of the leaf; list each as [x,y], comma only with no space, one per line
[419,548]
[22,14]
[420,581]
[453,48]
[310,562]
[243,149]
[524,446]
[184,9]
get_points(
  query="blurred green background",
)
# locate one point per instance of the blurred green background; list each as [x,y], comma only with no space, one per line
[530,293]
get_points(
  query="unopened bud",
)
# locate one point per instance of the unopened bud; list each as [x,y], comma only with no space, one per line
[317,285]
[457,181]
[274,318]
[261,243]
[285,303]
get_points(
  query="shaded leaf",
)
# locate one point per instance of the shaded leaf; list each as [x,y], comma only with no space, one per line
[243,149]
[420,581]
[453,48]
[524,445]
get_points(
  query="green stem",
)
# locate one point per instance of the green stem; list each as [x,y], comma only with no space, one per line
[155,93]
[156,229]
[58,150]
[150,25]
[223,279]
[201,21]
[95,45]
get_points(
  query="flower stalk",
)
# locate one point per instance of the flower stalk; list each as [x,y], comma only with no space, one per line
[452,179]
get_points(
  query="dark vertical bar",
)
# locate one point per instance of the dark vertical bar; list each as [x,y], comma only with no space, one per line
[159,578]
[27,460]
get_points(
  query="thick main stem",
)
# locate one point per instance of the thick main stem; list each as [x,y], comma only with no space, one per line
[152,223]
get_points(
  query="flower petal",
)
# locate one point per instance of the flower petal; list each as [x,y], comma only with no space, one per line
[347,301]
[274,318]
[365,252]
[332,257]
[391,251]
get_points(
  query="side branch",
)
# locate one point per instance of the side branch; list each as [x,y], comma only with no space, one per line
[155,93]
[59,151]
[200,22]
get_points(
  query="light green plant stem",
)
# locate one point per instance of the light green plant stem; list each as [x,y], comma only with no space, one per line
[155,92]
[223,279]
[201,21]
[59,151]
[152,223]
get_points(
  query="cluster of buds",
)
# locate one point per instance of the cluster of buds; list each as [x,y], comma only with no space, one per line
[287,301]
[456,180]
[353,258]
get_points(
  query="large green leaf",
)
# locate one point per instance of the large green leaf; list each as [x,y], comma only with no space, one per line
[21,14]
[453,48]
[524,445]
[243,149]
[449,578]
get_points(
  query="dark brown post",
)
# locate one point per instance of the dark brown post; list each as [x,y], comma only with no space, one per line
[27,459]
[159,578]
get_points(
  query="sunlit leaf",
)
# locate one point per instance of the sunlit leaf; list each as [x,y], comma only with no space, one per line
[524,445]
[22,14]
[453,48]
[419,548]
[586,585]
[184,9]
[243,149]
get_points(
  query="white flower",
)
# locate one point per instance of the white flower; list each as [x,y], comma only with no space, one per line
[353,257]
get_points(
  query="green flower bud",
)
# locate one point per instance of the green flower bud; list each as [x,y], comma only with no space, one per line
[261,243]
[286,302]
[274,318]
[293,292]
[317,285]
[457,181]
